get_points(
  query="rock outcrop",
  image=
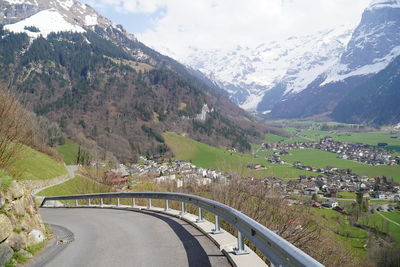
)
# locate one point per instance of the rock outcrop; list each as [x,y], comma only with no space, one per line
[20,223]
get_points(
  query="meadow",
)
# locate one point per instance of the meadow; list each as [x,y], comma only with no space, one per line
[321,159]
[336,223]
[69,151]
[206,156]
[378,222]
[77,185]
[34,165]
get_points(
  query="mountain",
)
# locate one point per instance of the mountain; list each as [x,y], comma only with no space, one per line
[364,72]
[306,76]
[376,101]
[104,86]
[257,77]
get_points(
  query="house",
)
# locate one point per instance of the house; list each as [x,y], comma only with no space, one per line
[330,204]
[310,191]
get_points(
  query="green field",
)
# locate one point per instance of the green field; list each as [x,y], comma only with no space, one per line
[368,138]
[206,156]
[321,159]
[337,223]
[273,138]
[378,222]
[34,165]
[69,151]
[348,195]
[77,185]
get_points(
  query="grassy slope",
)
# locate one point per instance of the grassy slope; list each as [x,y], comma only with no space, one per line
[351,237]
[206,156]
[69,151]
[77,185]
[383,225]
[34,165]
[321,159]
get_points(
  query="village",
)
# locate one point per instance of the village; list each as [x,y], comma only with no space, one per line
[349,151]
[327,183]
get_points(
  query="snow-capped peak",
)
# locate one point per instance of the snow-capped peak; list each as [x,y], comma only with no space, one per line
[69,14]
[43,23]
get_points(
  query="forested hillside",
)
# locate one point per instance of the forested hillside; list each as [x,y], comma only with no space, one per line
[96,90]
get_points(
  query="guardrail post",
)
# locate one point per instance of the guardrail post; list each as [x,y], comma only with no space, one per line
[183,208]
[65,203]
[117,202]
[101,202]
[90,203]
[166,205]
[76,202]
[149,203]
[217,229]
[133,203]
[200,218]
[240,249]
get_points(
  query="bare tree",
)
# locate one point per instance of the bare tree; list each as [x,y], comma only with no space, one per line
[15,128]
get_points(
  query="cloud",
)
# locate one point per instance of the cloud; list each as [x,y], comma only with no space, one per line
[226,23]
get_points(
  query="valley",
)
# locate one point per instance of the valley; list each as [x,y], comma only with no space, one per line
[301,133]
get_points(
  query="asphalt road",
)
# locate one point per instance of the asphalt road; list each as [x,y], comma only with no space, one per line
[106,237]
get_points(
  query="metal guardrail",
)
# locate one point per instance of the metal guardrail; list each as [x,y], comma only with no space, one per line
[279,251]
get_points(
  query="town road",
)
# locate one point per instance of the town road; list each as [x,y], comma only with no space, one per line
[108,237]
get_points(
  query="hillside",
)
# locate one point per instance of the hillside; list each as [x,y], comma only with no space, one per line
[99,83]
[375,101]
[34,165]
[206,156]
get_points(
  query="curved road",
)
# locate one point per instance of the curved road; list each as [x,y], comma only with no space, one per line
[107,237]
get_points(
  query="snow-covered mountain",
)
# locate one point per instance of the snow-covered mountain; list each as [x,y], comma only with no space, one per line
[306,75]
[247,73]
[369,59]
[47,16]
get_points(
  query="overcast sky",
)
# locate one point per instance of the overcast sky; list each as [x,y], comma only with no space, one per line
[177,24]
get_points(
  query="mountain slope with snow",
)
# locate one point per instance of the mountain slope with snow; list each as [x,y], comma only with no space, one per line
[248,73]
[374,45]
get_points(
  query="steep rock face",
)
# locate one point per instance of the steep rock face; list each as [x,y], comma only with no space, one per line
[373,47]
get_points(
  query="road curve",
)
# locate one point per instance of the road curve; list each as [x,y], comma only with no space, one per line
[107,237]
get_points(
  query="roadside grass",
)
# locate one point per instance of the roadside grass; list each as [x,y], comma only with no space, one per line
[383,225]
[5,180]
[337,224]
[321,159]
[206,156]
[69,151]
[77,185]
[21,259]
[34,165]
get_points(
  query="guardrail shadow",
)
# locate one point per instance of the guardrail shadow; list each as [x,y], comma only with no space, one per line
[196,255]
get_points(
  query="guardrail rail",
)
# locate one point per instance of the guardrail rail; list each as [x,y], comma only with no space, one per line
[278,250]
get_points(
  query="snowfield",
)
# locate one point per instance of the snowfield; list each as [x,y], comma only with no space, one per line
[47,21]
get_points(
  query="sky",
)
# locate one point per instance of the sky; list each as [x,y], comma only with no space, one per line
[171,26]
